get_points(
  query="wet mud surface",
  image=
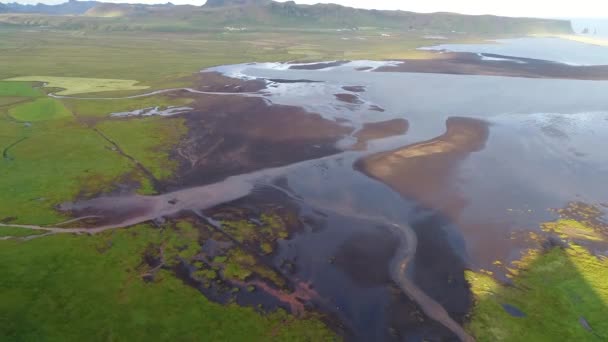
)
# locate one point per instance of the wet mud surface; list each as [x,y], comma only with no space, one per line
[216,82]
[317,66]
[235,135]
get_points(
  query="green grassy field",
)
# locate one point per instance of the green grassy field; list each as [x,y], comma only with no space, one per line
[75,288]
[149,140]
[40,110]
[18,89]
[57,161]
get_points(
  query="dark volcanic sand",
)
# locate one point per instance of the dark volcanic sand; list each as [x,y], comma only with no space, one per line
[376,108]
[354,89]
[422,171]
[379,130]
[348,98]
[280,80]
[216,82]
[317,66]
[463,63]
[235,135]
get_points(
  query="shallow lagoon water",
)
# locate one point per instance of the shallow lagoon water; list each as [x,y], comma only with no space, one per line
[550,49]
[427,99]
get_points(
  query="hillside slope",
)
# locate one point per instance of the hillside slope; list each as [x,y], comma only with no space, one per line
[266,14]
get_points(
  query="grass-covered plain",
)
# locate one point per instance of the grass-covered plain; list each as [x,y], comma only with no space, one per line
[149,140]
[79,288]
[48,162]
[166,60]
[80,85]
[40,110]
[18,89]
[57,161]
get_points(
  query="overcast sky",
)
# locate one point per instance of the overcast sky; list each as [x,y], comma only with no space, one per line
[534,8]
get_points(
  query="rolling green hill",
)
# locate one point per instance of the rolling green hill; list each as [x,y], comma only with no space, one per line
[270,15]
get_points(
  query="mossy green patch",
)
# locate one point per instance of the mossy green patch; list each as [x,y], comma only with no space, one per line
[40,110]
[81,85]
[65,287]
[265,233]
[240,230]
[205,274]
[274,227]
[18,89]
[220,259]
[266,247]
[563,294]
[239,264]
[181,242]
[234,271]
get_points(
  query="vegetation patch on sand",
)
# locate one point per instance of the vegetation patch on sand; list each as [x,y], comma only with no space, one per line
[80,85]
[560,294]
[40,110]
[568,228]
[269,228]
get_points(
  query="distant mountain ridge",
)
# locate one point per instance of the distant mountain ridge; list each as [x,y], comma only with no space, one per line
[263,14]
[70,7]
[228,3]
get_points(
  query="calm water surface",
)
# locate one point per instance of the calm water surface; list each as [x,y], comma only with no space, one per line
[551,49]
